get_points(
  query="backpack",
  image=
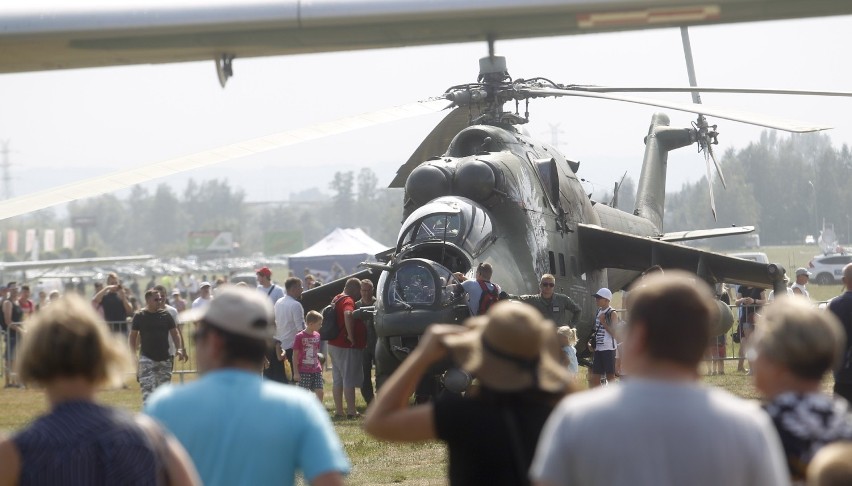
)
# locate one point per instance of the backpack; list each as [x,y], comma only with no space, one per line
[329,329]
[488,297]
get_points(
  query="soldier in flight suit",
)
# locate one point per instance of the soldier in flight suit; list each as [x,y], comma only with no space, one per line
[552,305]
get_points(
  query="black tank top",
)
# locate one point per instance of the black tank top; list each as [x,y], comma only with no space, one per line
[17,315]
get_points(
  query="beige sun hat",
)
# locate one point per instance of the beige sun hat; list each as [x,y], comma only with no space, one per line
[511,348]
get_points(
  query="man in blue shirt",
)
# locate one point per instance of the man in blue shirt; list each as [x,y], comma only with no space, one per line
[237,427]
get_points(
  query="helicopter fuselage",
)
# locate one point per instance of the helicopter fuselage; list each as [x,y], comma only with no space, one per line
[496,196]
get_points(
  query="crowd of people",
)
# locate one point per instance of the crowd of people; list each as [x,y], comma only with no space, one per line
[522,420]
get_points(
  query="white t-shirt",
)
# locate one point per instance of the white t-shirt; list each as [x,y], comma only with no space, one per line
[200,302]
[289,320]
[802,288]
[662,433]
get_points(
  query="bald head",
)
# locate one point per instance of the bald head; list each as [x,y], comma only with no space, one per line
[847,276]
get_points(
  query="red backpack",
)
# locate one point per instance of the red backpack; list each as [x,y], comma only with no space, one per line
[488,297]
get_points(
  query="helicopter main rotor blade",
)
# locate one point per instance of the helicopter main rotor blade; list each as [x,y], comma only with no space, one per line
[706,89]
[436,142]
[690,67]
[130,177]
[726,113]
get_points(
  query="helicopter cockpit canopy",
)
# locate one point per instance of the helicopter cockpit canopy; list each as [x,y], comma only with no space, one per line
[422,283]
[450,219]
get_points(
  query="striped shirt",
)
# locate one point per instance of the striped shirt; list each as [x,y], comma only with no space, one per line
[85,443]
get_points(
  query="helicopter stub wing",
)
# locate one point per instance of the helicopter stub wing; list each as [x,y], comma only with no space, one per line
[705,233]
[741,116]
[604,248]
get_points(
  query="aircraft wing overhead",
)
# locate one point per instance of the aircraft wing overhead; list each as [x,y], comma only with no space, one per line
[603,248]
[50,34]
[71,262]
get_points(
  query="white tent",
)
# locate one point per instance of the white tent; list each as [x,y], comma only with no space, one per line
[336,255]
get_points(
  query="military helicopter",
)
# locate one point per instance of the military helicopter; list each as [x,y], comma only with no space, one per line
[497,195]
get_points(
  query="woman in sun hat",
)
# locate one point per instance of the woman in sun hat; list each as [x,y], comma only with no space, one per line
[491,435]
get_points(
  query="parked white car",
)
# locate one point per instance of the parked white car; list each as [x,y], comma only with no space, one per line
[828,269]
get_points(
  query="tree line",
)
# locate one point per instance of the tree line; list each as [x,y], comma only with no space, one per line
[159,221]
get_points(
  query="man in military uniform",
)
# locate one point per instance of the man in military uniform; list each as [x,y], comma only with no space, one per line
[552,305]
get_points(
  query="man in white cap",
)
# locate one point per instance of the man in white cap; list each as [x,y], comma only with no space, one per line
[237,427]
[204,296]
[603,339]
[662,426]
[802,278]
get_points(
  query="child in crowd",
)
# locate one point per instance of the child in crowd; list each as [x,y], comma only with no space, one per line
[567,340]
[308,372]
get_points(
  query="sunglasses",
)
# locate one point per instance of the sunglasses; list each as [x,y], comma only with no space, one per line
[547,284]
[157,300]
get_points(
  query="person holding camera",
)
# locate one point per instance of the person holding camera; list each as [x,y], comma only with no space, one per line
[112,299]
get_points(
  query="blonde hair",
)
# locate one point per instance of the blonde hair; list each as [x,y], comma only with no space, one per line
[568,333]
[807,341]
[831,466]
[313,316]
[68,339]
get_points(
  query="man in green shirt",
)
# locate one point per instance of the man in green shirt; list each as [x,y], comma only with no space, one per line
[552,305]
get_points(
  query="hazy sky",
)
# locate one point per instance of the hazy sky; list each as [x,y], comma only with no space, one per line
[73,124]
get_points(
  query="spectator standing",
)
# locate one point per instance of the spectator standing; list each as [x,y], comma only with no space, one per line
[113,301]
[80,441]
[27,305]
[662,426]
[237,427]
[12,323]
[793,347]
[289,320]
[603,336]
[749,300]
[177,300]
[151,327]
[307,367]
[205,295]
[369,356]
[481,292]
[491,434]
[803,276]
[841,307]
[267,286]
[551,304]
[346,350]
